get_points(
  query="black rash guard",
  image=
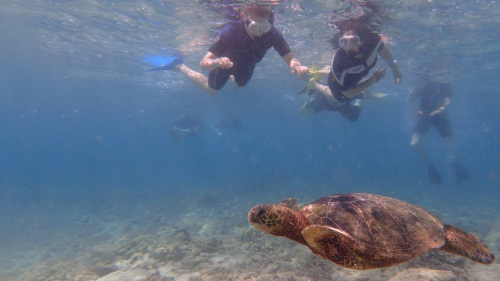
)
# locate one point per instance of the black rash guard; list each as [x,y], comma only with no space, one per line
[432,95]
[234,42]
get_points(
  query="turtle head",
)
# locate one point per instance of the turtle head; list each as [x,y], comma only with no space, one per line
[278,220]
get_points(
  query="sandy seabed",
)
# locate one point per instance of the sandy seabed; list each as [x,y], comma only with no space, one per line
[189,240]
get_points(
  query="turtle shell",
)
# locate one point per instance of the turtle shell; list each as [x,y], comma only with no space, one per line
[366,231]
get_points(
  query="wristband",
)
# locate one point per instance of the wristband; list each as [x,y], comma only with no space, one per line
[214,62]
[391,63]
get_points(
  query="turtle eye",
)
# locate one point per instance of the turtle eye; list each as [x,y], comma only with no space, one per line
[261,213]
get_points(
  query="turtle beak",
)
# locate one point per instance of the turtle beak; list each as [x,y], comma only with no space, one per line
[252,218]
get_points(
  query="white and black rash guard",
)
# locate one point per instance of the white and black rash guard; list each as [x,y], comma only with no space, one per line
[348,69]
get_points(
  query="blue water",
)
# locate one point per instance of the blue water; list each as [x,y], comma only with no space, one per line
[83,125]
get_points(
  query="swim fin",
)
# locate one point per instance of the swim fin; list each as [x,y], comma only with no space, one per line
[462,173]
[306,108]
[163,62]
[311,85]
[433,174]
[379,96]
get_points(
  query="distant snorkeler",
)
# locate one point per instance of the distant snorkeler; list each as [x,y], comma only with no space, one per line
[349,73]
[435,97]
[191,125]
[186,125]
[237,49]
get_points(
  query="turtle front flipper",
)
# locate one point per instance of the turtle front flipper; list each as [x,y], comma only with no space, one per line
[464,244]
[332,244]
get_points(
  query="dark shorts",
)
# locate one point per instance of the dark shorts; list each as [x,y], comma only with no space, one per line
[440,121]
[351,113]
[218,77]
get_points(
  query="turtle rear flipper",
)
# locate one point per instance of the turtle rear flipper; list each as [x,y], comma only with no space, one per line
[467,245]
[332,244]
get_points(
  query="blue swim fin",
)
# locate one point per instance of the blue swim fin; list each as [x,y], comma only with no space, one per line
[163,62]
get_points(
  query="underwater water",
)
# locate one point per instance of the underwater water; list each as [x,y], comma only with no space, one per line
[93,187]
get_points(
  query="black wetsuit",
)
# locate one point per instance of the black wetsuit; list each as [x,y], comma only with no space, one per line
[234,42]
[432,96]
[347,70]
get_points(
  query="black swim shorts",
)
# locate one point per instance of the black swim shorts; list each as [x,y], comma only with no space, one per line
[218,77]
[441,121]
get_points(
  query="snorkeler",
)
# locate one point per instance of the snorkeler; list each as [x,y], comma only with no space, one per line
[239,46]
[357,54]
[435,97]
[192,124]
[187,124]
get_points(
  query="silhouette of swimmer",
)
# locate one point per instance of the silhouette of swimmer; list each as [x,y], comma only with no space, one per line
[188,124]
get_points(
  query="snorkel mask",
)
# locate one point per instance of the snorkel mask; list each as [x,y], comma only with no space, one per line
[258,28]
[349,42]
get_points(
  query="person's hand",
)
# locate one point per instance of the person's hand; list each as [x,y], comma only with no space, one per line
[379,73]
[300,70]
[223,62]
[397,75]
[437,111]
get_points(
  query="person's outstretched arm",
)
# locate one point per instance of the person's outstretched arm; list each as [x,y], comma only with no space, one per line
[354,91]
[386,55]
[295,66]
[442,108]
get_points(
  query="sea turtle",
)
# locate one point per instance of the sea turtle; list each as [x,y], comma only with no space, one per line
[366,231]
